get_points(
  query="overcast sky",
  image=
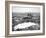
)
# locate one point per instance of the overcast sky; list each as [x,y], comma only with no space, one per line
[22,9]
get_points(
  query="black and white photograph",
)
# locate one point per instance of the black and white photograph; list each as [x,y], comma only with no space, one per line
[25,18]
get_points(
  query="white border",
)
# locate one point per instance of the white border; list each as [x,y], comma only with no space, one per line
[24,32]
